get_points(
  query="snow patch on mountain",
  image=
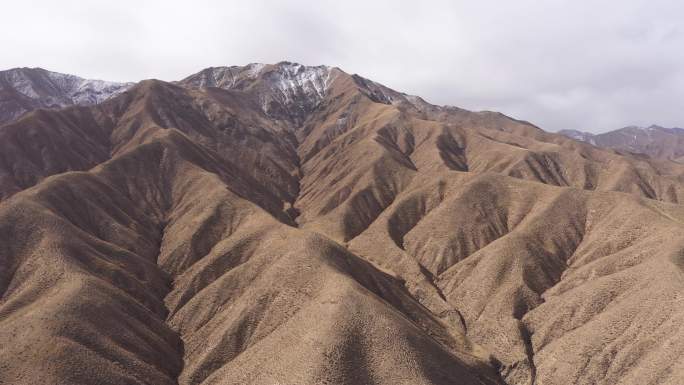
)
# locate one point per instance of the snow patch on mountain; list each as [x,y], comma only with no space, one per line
[53,89]
[577,135]
[295,80]
[254,69]
[27,89]
[284,91]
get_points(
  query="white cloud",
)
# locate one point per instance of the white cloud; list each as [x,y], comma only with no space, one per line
[586,65]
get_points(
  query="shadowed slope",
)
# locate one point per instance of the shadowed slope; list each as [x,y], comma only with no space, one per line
[44,143]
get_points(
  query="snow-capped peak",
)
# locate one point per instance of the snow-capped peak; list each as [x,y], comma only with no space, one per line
[284,90]
[293,79]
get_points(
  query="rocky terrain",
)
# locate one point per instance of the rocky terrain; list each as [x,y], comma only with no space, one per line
[285,224]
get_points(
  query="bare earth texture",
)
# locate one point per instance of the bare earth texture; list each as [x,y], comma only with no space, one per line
[282,224]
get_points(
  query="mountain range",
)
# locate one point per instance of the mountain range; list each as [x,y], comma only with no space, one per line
[290,224]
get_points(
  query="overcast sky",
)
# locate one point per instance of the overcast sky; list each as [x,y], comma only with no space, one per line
[587,65]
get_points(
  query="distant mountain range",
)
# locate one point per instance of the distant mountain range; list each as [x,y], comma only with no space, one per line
[655,141]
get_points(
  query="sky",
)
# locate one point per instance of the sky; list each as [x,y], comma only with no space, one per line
[560,64]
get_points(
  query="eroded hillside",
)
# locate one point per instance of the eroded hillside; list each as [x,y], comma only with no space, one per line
[297,225]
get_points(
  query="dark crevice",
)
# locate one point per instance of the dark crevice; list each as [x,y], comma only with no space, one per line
[292,211]
[452,152]
[180,345]
[529,350]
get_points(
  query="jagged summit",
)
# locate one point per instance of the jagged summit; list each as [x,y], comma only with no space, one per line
[284,90]
[285,77]
[292,91]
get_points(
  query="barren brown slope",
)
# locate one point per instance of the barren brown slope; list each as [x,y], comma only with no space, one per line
[282,223]
[527,264]
[121,275]
[398,141]
[49,142]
